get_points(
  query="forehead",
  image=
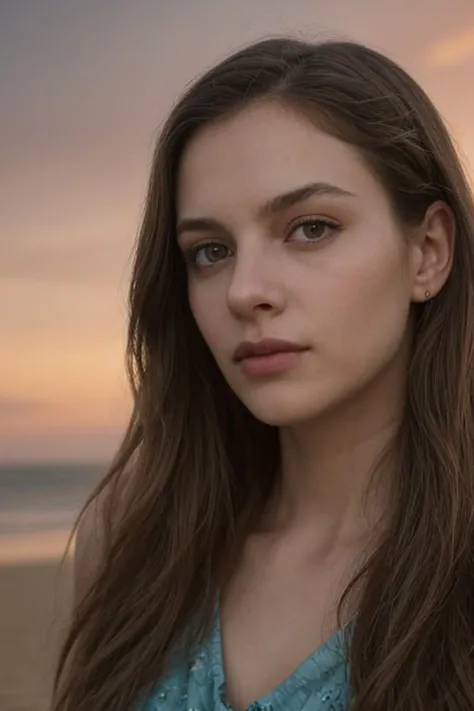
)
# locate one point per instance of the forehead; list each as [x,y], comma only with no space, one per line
[264,150]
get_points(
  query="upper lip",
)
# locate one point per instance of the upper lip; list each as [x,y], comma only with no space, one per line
[267,346]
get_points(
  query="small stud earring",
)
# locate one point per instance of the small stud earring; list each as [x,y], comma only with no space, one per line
[427,294]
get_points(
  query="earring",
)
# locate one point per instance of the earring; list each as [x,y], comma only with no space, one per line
[427,294]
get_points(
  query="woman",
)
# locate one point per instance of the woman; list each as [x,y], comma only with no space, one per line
[289,521]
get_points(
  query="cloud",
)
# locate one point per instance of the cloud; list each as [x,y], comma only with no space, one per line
[70,444]
[453,50]
[14,407]
[105,260]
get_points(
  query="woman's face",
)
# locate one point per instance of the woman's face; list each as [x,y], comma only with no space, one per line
[288,235]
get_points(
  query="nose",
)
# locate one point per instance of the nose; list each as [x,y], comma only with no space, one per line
[255,286]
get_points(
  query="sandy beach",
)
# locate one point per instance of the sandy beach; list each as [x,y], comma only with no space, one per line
[34,608]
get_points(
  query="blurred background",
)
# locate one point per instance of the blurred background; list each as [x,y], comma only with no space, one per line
[84,86]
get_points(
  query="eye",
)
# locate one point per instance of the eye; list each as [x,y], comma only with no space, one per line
[205,254]
[313,229]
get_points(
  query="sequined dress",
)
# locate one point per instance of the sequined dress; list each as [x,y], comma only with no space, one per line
[319,683]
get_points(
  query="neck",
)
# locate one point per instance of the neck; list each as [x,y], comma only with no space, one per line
[327,466]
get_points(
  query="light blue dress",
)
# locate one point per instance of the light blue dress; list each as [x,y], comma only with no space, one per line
[320,682]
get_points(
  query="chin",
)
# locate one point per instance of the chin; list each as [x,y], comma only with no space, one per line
[283,409]
[280,419]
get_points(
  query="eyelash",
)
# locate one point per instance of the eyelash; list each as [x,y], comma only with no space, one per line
[190,255]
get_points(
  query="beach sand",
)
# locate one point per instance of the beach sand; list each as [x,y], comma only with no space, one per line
[34,609]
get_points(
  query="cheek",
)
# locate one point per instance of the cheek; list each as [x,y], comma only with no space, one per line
[207,309]
[372,314]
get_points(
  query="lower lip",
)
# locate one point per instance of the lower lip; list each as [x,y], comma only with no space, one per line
[270,364]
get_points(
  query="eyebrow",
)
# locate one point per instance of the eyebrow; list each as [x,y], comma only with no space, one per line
[277,204]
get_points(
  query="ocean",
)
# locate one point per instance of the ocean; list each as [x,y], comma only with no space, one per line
[38,506]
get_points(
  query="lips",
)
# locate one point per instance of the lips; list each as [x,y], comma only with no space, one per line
[265,347]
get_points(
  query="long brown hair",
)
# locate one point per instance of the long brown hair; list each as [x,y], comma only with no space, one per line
[195,467]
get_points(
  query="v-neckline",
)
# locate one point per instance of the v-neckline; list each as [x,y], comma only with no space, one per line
[316,665]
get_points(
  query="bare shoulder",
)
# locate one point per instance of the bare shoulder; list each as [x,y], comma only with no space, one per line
[89,546]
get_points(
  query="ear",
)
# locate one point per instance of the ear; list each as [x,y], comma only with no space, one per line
[433,251]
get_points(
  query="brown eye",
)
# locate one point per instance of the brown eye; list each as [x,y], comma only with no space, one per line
[205,255]
[313,230]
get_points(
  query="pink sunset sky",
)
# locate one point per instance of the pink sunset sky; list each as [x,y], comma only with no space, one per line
[83,89]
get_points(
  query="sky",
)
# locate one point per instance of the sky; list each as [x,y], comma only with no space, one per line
[84,87]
